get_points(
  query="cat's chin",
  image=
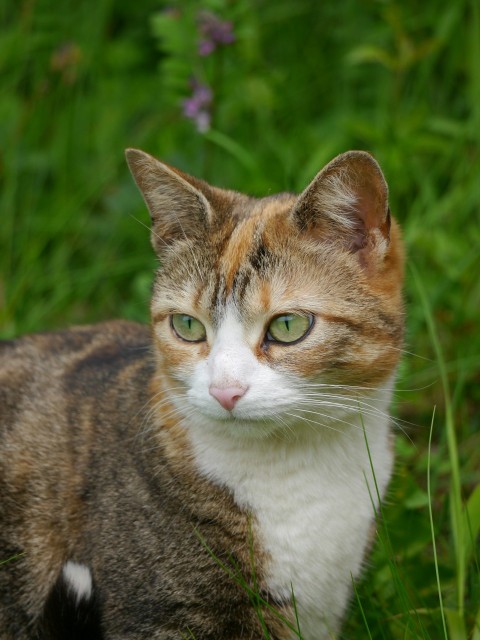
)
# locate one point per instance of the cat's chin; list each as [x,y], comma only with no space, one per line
[237,427]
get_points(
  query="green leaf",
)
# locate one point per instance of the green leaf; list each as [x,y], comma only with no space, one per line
[476,631]
[368,53]
[232,147]
[456,625]
[472,522]
[417,500]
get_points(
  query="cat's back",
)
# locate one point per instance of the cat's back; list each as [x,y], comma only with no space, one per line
[39,363]
[66,345]
[59,391]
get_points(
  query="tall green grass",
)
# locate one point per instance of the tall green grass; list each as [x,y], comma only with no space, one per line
[302,82]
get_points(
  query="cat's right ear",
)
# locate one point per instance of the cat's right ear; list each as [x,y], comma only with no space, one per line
[177,203]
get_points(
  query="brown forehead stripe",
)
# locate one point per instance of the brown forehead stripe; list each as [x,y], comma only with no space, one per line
[245,250]
[234,257]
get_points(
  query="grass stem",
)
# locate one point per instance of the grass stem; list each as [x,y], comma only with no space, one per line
[432,528]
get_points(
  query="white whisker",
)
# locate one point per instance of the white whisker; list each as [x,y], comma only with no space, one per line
[313,422]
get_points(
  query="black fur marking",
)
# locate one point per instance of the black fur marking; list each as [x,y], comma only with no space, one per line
[218,300]
[240,283]
[260,258]
[65,618]
[304,215]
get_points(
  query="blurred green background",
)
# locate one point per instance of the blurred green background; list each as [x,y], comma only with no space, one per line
[258,96]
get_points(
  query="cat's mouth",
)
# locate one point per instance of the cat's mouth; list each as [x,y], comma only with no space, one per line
[254,428]
[235,424]
[237,419]
[241,420]
[242,416]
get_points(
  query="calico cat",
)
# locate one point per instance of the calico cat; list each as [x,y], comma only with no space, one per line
[208,477]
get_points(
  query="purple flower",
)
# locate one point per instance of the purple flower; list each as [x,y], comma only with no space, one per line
[214,32]
[206,47]
[198,106]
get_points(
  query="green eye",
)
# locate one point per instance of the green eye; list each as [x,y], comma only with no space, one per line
[188,328]
[289,328]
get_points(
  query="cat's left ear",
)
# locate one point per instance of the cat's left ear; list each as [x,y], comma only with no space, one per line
[347,204]
[178,204]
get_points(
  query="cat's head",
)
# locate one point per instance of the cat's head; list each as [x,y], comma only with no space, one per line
[269,312]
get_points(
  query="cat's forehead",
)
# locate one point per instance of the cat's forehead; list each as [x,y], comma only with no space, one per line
[250,259]
[264,268]
[256,260]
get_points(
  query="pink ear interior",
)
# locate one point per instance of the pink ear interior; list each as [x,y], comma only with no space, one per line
[372,195]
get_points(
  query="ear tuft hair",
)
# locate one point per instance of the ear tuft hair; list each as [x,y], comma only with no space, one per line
[347,203]
[177,203]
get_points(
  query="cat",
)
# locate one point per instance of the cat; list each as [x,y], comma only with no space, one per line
[208,476]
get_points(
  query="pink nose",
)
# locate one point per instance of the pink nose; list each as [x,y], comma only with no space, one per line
[227,396]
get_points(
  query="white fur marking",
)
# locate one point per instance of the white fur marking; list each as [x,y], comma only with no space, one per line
[293,453]
[79,579]
[311,504]
[304,477]
[232,363]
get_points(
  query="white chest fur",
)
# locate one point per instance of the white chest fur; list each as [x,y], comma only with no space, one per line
[311,504]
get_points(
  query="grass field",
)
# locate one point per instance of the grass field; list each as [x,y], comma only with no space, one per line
[287,86]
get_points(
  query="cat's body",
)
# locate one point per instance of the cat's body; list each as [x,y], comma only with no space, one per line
[218,462]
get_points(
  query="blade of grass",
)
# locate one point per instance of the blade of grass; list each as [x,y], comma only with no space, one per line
[12,558]
[432,528]
[360,606]
[476,632]
[457,518]
[387,543]
[472,517]
[255,597]
[295,610]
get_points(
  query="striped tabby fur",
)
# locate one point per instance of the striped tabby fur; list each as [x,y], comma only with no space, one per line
[182,487]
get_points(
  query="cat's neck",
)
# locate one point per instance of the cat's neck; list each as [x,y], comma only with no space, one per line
[306,492]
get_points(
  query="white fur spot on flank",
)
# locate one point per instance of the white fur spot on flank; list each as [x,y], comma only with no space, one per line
[79,579]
